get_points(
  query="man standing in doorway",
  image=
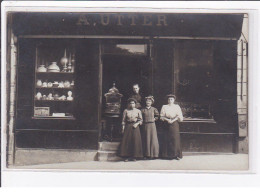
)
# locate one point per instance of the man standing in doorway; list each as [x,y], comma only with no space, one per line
[136,95]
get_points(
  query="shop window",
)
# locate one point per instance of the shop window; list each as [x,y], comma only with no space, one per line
[193,65]
[54,82]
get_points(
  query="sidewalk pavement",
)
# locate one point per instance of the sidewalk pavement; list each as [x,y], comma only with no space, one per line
[223,162]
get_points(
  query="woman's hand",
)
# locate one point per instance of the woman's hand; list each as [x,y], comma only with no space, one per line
[169,121]
[123,129]
[135,125]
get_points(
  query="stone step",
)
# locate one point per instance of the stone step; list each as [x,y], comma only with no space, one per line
[108,146]
[108,156]
[107,151]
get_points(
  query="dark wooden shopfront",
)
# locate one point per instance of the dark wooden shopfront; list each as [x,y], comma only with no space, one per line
[194,58]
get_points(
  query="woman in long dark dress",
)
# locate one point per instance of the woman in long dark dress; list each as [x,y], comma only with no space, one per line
[150,115]
[171,114]
[131,145]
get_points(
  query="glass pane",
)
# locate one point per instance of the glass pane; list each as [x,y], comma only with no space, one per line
[126,49]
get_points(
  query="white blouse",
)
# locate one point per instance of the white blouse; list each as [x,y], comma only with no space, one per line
[171,111]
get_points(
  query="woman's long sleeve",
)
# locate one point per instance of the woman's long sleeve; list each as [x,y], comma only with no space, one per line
[163,114]
[156,114]
[140,118]
[179,113]
[124,118]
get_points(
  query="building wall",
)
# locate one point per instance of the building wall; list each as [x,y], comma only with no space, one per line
[242,88]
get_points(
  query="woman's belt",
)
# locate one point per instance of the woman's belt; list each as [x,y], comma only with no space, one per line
[130,122]
[148,122]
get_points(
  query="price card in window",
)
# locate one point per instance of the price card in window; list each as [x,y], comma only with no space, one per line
[42,111]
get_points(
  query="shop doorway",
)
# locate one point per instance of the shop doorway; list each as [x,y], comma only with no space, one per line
[125,68]
[123,65]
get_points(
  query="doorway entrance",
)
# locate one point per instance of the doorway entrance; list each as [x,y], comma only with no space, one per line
[124,65]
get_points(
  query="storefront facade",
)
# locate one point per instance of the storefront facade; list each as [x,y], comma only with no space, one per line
[194,56]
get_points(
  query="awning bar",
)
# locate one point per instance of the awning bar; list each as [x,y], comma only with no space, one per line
[126,37]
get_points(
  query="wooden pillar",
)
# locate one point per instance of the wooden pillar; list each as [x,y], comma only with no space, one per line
[151,69]
[100,95]
[12,101]
[242,88]
[175,67]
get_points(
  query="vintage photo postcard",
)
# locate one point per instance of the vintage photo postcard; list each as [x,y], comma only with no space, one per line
[125,90]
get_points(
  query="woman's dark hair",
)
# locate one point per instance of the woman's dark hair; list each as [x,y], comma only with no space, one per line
[136,84]
[131,100]
[171,96]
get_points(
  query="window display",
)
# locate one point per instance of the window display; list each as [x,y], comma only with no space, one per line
[54,83]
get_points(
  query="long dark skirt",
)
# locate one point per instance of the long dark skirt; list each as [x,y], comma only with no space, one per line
[172,141]
[151,144]
[131,145]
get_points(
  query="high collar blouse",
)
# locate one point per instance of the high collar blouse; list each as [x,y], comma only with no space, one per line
[132,116]
[150,114]
[170,112]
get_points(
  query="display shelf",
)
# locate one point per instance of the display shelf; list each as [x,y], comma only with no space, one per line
[54,100]
[53,73]
[48,58]
[65,88]
[188,119]
[52,117]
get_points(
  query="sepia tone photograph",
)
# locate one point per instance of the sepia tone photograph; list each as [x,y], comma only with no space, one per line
[126,91]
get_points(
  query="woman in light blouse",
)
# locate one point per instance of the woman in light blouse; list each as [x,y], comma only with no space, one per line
[171,114]
[131,145]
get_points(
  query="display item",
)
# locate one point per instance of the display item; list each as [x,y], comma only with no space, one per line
[69,65]
[44,85]
[38,96]
[70,98]
[56,97]
[49,85]
[66,84]
[63,97]
[39,83]
[44,97]
[73,63]
[55,84]
[41,111]
[58,114]
[42,68]
[64,60]
[53,67]
[61,84]
[50,97]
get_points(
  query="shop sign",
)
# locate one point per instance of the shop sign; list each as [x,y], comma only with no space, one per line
[120,20]
[128,24]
